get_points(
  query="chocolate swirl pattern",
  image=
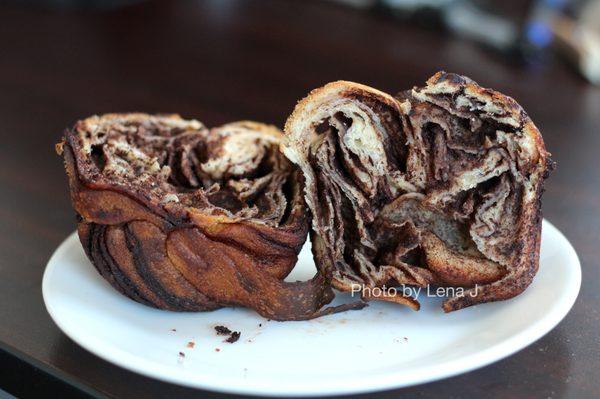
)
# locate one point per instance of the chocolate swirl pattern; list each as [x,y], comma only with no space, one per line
[439,185]
[180,217]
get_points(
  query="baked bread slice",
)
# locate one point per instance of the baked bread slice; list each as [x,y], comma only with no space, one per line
[439,185]
[180,217]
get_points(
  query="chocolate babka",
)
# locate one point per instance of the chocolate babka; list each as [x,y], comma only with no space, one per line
[440,185]
[180,217]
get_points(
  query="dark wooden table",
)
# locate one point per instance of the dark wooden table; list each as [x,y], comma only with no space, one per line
[227,60]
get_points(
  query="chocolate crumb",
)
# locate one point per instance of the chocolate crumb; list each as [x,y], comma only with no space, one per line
[260,324]
[191,344]
[181,354]
[222,330]
[217,350]
[172,329]
[405,339]
[233,337]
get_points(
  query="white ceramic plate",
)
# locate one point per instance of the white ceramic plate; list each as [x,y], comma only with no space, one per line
[380,347]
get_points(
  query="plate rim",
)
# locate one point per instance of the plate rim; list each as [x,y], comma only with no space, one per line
[372,383]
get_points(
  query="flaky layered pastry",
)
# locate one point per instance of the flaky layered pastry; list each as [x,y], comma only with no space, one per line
[180,217]
[440,185]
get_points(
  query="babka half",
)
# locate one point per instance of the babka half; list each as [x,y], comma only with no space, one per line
[440,185]
[180,217]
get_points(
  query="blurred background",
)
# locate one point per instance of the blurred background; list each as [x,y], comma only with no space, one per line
[224,60]
[526,31]
[145,43]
